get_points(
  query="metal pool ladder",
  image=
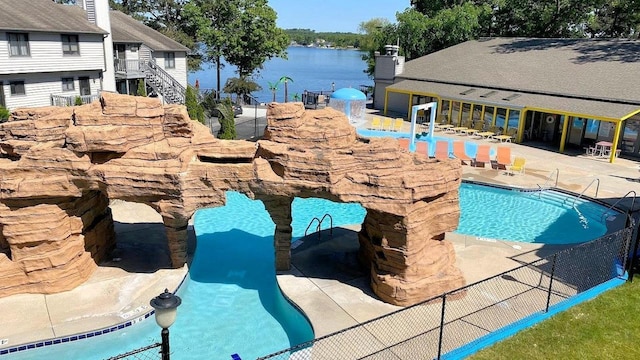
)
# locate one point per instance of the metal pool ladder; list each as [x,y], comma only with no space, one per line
[633,203]
[319,227]
[546,182]
[596,180]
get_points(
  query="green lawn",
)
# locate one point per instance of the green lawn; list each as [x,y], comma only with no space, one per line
[607,327]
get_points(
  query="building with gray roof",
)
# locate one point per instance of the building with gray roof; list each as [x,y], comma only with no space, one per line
[564,93]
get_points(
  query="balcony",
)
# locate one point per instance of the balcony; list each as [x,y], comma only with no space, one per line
[129,69]
[64,100]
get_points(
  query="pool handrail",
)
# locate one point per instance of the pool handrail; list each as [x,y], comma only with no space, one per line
[319,227]
[633,202]
[596,180]
[550,177]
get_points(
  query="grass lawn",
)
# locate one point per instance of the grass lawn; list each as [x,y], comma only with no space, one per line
[607,327]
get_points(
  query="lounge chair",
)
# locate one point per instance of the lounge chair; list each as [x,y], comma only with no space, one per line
[503,158]
[482,155]
[422,148]
[518,165]
[386,124]
[458,152]
[442,150]
[397,125]
[375,124]
[403,143]
[511,135]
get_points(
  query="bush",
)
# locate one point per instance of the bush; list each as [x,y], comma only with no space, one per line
[227,123]
[194,108]
[142,88]
[4,114]
[78,101]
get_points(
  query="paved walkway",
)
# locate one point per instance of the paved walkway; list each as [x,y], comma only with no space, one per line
[324,281]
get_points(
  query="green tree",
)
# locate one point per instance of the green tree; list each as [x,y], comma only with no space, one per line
[227,123]
[194,108]
[273,87]
[255,38]
[241,87]
[285,80]
[142,88]
[77,101]
[212,21]
[167,17]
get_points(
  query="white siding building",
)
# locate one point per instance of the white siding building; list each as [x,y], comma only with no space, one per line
[53,54]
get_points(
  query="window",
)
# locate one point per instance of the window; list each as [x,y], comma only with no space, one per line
[67,84]
[70,45]
[18,44]
[169,60]
[17,87]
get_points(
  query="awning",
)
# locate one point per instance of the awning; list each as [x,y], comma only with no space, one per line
[517,100]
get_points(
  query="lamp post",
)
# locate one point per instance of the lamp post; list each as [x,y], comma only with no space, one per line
[166,307]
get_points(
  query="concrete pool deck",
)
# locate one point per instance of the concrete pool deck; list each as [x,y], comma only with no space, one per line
[334,293]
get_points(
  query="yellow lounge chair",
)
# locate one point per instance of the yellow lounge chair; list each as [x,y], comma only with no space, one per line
[397,125]
[386,124]
[518,165]
[375,124]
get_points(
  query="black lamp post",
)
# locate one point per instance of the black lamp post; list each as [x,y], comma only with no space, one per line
[166,306]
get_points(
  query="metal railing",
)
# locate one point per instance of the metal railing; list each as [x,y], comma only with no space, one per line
[129,66]
[150,352]
[449,323]
[163,83]
[70,100]
[596,180]
[633,203]
[319,227]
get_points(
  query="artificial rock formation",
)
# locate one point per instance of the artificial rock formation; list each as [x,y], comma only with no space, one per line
[61,166]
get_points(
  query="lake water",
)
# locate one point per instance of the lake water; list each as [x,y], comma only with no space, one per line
[312,69]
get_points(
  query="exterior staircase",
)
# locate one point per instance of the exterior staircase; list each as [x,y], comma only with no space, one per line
[164,84]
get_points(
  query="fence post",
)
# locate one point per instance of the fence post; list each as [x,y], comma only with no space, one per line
[444,304]
[553,269]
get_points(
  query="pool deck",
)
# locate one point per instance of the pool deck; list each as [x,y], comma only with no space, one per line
[324,280]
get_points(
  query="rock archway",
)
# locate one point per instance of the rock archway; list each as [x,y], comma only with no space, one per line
[60,165]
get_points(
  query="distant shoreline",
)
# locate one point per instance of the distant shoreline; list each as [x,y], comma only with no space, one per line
[325,47]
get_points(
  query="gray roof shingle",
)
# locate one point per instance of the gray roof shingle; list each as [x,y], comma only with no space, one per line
[587,68]
[44,16]
[125,29]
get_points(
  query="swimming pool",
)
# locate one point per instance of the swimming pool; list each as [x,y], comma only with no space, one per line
[231,300]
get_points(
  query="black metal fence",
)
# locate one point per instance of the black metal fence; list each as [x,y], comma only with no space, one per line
[447,322]
[151,352]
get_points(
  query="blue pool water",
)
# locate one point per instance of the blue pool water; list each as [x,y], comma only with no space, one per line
[231,300]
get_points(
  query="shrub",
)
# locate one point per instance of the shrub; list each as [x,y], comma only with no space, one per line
[4,114]
[227,123]
[194,108]
[78,101]
[142,88]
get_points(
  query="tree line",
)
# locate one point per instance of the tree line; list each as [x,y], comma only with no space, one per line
[336,39]
[431,25]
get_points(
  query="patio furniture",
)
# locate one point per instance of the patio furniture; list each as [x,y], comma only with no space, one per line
[458,152]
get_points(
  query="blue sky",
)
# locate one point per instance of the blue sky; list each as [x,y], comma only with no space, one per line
[334,15]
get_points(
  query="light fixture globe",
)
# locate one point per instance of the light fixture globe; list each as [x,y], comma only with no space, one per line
[166,306]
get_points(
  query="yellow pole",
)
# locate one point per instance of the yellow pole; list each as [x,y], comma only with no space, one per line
[386,101]
[616,138]
[506,121]
[494,116]
[565,126]
[450,112]
[521,123]
[482,113]
[410,105]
